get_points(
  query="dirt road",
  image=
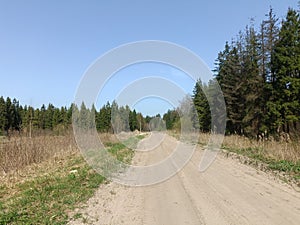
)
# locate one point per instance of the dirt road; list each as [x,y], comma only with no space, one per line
[227,193]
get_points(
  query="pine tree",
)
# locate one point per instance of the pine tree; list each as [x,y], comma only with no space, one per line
[171,117]
[133,123]
[100,119]
[268,37]
[36,118]
[229,75]
[25,122]
[56,118]
[8,114]
[69,113]
[92,117]
[2,115]
[217,107]
[83,117]
[103,118]
[42,118]
[49,116]
[64,116]
[253,85]
[107,124]
[286,70]
[16,120]
[202,120]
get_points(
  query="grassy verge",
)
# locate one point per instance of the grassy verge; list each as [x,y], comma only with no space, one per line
[46,199]
[257,154]
[282,157]
[49,197]
[123,151]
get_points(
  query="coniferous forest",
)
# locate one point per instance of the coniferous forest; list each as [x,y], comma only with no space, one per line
[258,72]
[15,118]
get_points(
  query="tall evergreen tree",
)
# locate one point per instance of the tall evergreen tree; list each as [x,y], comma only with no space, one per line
[42,118]
[56,118]
[229,75]
[202,120]
[286,70]
[267,38]
[253,84]
[16,119]
[2,115]
[133,123]
[171,117]
[83,116]
[49,116]
[8,114]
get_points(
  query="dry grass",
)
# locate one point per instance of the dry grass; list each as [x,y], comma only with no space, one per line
[19,151]
[108,138]
[282,157]
[45,177]
[277,150]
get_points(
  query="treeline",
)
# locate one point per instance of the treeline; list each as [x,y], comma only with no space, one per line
[17,118]
[259,74]
[109,118]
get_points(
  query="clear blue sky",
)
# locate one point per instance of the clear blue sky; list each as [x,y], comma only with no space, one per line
[46,46]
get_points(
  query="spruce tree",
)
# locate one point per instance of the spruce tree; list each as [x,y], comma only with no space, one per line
[286,69]
[203,118]
[133,123]
[253,85]
[2,115]
[229,76]
[8,115]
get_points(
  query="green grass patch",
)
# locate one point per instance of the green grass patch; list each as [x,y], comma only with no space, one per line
[46,199]
[291,168]
[49,198]
[125,151]
[253,153]
[121,152]
[286,166]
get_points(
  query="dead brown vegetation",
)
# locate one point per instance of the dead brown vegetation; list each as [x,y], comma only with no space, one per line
[278,150]
[19,151]
[283,149]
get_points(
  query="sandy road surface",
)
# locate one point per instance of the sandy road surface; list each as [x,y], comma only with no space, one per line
[227,193]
